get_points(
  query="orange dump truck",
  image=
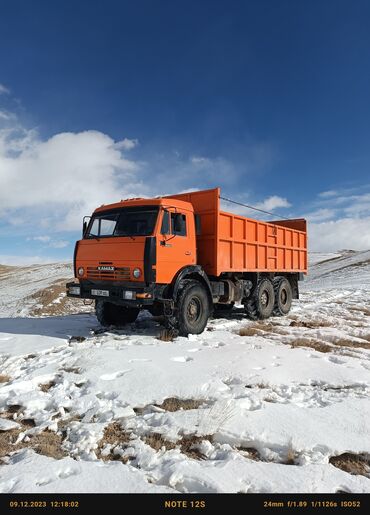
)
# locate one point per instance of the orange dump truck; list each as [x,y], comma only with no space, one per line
[182,257]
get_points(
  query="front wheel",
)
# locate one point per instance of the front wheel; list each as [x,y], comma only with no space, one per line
[193,308]
[108,313]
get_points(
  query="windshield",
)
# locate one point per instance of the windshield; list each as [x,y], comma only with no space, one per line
[129,221]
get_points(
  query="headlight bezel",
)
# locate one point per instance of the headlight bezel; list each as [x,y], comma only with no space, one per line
[80,271]
[136,273]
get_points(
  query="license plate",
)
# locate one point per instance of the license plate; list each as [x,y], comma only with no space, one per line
[100,293]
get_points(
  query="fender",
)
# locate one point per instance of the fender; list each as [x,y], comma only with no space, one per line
[192,272]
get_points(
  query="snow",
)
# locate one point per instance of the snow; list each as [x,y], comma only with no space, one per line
[272,391]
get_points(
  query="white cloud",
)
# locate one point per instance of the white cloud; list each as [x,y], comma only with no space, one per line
[273,202]
[59,244]
[3,90]
[328,194]
[126,144]
[4,115]
[43,239]
[349,233]
[196,160]
[65,177]
[320,215]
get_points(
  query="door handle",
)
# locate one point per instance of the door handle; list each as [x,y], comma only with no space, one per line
[188,252]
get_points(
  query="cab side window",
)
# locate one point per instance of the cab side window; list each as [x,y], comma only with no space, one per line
[178,224]
[165,229]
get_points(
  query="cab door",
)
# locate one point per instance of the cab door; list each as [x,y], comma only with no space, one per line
[175,243]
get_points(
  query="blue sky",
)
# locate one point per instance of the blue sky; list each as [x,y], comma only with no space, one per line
[101,100]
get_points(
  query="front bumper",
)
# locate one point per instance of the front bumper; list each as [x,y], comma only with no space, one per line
[125,294]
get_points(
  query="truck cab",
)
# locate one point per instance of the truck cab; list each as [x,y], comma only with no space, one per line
[131,253]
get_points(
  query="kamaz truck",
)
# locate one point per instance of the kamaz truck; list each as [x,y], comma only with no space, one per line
[182,257]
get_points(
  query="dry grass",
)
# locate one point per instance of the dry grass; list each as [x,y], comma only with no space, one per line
[114,435]
[311,324]
[345,342]
[47,386]
[356,464]
[72,370]
[249,331]
[78,339]
[311,343]
[13,408]
[167,335]
[261,328]
[250,452]
[362,310]
[45,301]
[290,458]
[47,443]
[188,444]
[262,386]
[4,378]
[175,404]
[157,442]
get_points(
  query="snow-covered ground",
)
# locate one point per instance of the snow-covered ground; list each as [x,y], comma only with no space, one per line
[247,406]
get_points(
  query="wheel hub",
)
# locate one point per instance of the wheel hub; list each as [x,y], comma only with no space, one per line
[194,309]
[264,298]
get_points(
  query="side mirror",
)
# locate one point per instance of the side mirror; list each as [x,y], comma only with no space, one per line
[85,223]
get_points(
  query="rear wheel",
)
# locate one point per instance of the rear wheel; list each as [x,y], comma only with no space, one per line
[108,313]
[262,300]
[193,308]
[283,296]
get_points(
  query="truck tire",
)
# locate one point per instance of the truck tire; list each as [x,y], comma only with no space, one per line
[193,308]
[283,296]
[108,313]
[262,300]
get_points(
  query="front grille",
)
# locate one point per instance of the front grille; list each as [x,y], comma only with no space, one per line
[119,274]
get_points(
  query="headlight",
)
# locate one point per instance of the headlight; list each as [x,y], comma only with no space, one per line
[74,290]
[136,273]
[81,271]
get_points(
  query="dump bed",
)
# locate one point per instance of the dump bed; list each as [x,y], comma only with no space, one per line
[235,243]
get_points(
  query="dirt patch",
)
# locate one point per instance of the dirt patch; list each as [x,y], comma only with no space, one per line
[4,378]
[356,464]
[311,343]
[115,436]
[175,404]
